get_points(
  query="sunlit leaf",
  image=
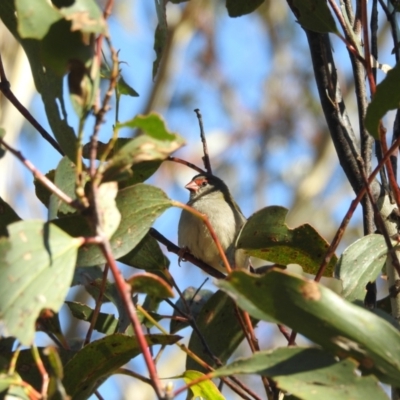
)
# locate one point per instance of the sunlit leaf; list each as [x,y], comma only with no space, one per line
[359,264]
[101,358]
[316,312]
[266,236]
[37,262]
[202,390]
[309,374]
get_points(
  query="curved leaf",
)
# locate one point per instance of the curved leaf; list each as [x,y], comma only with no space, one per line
[266,236]
[101,358]
[359,264]
[308,373]
[213,321]
[386,97]
[314,15]
[322,316]
[202,390]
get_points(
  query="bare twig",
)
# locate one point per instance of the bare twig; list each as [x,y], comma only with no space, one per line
[206,157]
[187,163]
[42,178]
[125,292]
[5,88]
[42,370]
[96,310]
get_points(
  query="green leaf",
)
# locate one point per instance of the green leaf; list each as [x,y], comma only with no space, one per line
[155,143]
[322,316]
[99,359]
[35,17]
[359,264]
[150,284]
[140,206]
[220,328]
[105,323]
[86,16]
[146,255]
[41,191]
[387,97]
[37,262]
[125,89]
[7,217]
[193,303]
[308,373]
[314,15]
[47,83]
[202,390]
[64,179]
[160,35]
[266,236]
[237,8]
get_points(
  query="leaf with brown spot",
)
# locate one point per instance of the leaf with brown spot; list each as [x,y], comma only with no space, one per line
[266,236]
[322,316]
[99,359]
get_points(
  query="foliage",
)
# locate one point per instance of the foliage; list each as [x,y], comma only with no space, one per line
[101,211]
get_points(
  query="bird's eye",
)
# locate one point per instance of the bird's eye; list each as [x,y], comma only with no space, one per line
[203,183]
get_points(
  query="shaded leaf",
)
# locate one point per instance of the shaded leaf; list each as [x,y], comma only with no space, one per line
[216,315]
[41,191]
[237,8]
[7,217]
[125,89]
[105,323]
[140,206]
[323,317]
[308,373]
[37,262]
[192,304]
[47,83]
[101,358]
[314,15]
[146,255]
[64,179]
[160,37]
[154,143]
[386,97]
[150,284]
[205,389]
[359,264]
[266,236]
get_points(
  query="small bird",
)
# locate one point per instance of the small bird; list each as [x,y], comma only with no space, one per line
[210,196]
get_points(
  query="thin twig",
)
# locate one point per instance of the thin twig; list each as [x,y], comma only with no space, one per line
[5,88]
[125,292]
[96,310]
[42,370]
[104,108]
[42,178]
[206,157]
[187,163]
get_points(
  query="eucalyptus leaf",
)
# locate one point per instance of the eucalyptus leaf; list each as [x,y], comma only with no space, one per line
[37,261]
[100,358]
[359,264]
[266,236]
[316,312]
[309,374]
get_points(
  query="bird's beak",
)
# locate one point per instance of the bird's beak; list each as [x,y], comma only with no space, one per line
[192,186]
